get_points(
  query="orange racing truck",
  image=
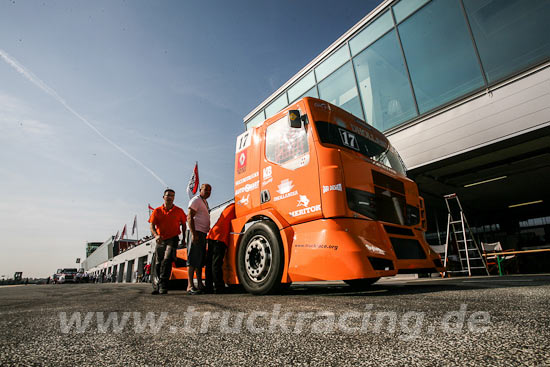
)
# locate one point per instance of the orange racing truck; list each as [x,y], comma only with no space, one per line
[321,195]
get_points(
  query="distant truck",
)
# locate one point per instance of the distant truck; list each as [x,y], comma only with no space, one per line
[320,195]
[65,275]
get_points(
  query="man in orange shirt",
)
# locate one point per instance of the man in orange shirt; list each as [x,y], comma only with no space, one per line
[165,226]
[218,239]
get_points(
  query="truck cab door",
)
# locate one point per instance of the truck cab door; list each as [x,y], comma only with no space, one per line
[289,181]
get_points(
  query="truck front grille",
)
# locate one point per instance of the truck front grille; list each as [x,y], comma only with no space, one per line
[383,205]
[386,182]
[398,230]
[407,248]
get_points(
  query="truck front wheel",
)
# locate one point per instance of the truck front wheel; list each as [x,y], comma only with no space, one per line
[260,259]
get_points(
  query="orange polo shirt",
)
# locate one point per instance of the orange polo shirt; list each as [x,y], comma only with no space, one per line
[220,230]
[168,221]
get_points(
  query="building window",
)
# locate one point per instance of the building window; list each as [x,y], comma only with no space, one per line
[340,90]
[277,105]
[511,35]
[405,7]
[383,84]
[371,33]
[299,89]
[285,145]
[256,120]
[440,54]
[332,63]
[310,93]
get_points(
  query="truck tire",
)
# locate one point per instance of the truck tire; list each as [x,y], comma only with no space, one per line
[260,259]
[361,284]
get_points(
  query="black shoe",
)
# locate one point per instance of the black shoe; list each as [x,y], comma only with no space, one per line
[163,291]
[155,291]
[220,289]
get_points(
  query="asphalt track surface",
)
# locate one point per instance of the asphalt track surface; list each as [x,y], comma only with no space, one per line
[505,322]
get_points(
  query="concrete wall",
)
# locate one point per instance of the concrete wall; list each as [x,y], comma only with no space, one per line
[127,262]
[102,254]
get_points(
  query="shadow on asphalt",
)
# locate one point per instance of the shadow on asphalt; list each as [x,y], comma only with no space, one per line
[383,288]
[399,288]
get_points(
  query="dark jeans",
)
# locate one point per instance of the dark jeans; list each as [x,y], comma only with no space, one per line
[214,262]
[196,251]
[166,253]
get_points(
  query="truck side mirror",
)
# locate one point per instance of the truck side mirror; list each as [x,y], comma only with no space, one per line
[295,119]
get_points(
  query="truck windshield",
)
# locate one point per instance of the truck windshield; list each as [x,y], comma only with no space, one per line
[336,135]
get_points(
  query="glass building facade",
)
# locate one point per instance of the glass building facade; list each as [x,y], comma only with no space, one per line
[417,56]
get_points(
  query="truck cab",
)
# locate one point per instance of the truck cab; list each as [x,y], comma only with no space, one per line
[322,195]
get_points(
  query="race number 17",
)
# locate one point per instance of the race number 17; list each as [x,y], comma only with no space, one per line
[349,139]
[243,141]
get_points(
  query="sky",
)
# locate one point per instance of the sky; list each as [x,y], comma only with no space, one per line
[103,104]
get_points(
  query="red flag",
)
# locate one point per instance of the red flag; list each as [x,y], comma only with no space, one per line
[134,227]
[123,232]
[150,210]
[193,186]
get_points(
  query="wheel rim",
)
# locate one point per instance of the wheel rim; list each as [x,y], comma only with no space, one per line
[258,258]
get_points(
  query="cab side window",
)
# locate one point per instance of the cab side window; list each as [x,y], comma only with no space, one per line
[285,145]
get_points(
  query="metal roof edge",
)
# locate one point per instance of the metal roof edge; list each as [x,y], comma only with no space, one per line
[349,33]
